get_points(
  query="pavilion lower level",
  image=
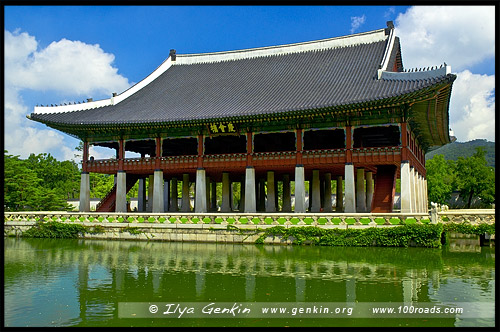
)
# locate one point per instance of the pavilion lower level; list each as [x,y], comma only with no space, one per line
[365,174]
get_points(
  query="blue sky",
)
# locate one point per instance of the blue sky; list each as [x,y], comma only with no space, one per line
[52,52]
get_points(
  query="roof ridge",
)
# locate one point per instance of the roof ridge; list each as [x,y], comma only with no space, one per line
[313,45]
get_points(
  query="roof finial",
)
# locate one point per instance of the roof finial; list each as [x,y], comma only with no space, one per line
[172,54]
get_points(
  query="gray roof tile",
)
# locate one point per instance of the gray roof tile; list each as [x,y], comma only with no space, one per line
[253,86]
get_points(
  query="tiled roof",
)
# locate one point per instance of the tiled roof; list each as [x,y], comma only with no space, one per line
[229,85]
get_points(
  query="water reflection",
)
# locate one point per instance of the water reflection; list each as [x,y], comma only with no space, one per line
[80,282]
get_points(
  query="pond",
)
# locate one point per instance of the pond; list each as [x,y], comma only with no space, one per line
[75,282]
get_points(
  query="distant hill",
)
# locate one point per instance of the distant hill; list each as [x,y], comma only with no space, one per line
[465,149]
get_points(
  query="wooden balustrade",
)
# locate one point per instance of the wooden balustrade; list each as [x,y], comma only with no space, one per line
[378,155]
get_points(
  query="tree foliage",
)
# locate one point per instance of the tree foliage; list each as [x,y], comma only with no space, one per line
[440,179]
[39,183]
[470,176]
[475,178]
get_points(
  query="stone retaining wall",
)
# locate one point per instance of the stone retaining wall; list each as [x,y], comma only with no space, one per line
[214,227]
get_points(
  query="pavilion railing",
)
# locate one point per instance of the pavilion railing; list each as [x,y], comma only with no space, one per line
[256,219]
[269,159]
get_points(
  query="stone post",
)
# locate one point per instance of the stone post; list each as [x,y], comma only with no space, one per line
[141,196]
[369,190]
[226,193]
[207,183]
[350,192]
[185,204]
[174,205]
[158,204]
[213,196]
[166,196]
[271,203]
[200,205]
[300,190]
[339,204]
[412,189]
[316,195]
[250,192]
[405,187]
[287,198]
[261,197]
[121,192]
[327,205]
[241,206]
[149,202]
[360,190]
[84,192]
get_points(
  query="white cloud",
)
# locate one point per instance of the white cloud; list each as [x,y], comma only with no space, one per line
[356,22]
[461,36]
[389,12]
[70,68]
[472,107]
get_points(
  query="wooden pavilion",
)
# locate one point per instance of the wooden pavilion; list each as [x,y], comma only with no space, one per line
[341,109]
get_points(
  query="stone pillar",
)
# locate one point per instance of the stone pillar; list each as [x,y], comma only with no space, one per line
[422,195]
[339,205]
[369,191]
[360,190]
[412,189]
[316,196]
[200,203]
[250,192]
[418,200]
[226,193]
[166,196]
[213,196]
[271,195]
[287,197]
[174,204]
[149,200]
[426,199]
[300,190]
[84,192]
[327,205]
[121,192]
[207,190]
[350,191]
[158,204]
[141,196]
[185,204]
[241,205]
[405,187]
[261,197]
[322,193]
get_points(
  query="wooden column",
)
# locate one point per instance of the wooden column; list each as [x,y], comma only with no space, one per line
[121,153]
[299,137]
[157,152]
[200,151]
[404,141]
[249,148]
[348,144]
[85,156]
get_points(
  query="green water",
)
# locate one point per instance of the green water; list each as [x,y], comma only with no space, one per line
[56,282]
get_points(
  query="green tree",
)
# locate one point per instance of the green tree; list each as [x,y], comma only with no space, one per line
[440,179]
[475,178]
[38,183]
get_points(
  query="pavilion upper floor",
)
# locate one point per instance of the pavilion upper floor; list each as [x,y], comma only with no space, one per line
[224,148]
